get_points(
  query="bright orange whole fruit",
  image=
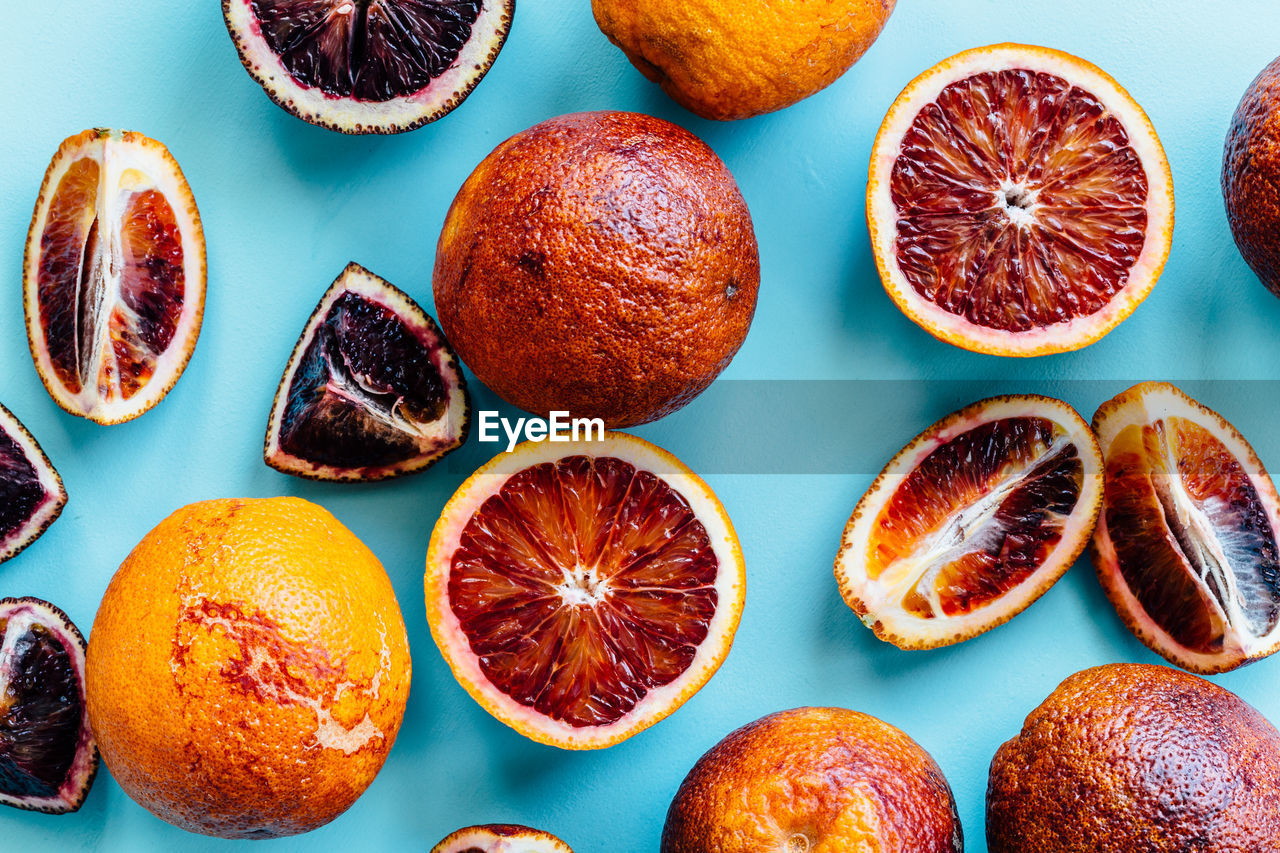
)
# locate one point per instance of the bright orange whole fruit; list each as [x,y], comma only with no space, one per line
[814,780]
[601,263]
[733,59]
[248,669]
[1130,758]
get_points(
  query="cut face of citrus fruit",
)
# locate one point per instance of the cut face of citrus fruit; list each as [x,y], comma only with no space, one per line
[972,521]
[368,66]
[371,391]
[1019,201]
[1186,545]
[583,591]
[501,838]
[31,492]
[48,758]
[114,275]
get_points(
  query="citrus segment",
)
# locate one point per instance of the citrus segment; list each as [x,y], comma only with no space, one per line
[48,758]
[31,492]
[583,592]
[1019,201]
[501,838]
[1186,547]
[372,389]
[114,276]
[971,522]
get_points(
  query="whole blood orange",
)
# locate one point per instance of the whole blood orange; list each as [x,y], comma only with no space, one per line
[972,521]
[113,279]
[726,59]
[1251,176]
[1019,201]
[1186,546]
[598,263]
[248,669]
[1128,758]
[581,592]
[814,780]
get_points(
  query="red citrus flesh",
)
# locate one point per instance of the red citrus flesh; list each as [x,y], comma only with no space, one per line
[1028,476]
[1021,202]
[583,585]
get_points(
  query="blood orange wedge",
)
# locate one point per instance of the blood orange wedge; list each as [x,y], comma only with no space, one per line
[501,838]
[583,591]
[1019,201]
[368,66]
[1186,545]
[31,492]
[114,275]
[972,521]
[371,391]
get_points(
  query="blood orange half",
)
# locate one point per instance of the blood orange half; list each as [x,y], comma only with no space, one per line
[31,492]
[972,521]
[501,838]
[1186,545]
[583,591]
[1019,201]
[114,275]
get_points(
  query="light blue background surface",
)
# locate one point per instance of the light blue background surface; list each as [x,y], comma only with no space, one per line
[286,205]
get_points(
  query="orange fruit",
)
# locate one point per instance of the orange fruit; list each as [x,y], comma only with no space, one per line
[583,591]
[1251,176]
[249,669]
[972,521]
[1127,758]
[814,780]
[725,59]
[114,275]
[1186,545]
[31,492]
[1019,201]
[602,264]
[501,838]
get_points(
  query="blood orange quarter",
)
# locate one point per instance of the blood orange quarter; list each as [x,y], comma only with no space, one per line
[1186,545]
[1019,201]
[972,521]
[583,591]
[114,275]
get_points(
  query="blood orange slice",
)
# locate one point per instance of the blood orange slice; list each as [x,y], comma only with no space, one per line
[31,492]
[501,838]
[371,391]
[972,521]
[368,66]
[1019,201]
[583,591]
[114,275]
[1186,545]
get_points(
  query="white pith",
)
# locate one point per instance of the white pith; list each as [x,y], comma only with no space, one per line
[128,163]
[879,602]
[352,116]
[55,493]
[1148,403]
[483,838]
[882,214]
[20,615]
[730,585]
[436,438]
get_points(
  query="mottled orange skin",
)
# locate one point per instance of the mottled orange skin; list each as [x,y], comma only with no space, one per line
[220,643]
[1251,176]
[601,263]
[1129,758]
[733,59]
[814,780]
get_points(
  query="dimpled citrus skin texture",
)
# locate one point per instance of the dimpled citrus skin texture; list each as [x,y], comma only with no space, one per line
[1128,758]
[248,668]
[1251,176]
[733,59]
[601,263]
[821,780]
